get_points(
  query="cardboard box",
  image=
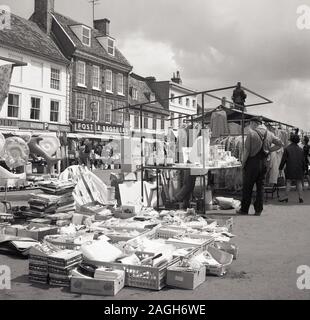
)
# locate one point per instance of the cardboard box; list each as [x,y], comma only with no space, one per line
[185,279]
[33,231]
[96,286]
[133,209]
[228,248]
[223,258]
[13,230]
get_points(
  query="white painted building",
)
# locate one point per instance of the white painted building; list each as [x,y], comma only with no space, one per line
[38,99]
[177,106]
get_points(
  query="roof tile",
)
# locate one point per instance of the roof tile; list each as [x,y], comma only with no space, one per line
[26,35]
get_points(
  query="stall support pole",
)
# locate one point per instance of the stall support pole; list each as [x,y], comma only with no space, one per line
[242,131]
[203,153]
[157,188]
[141,152]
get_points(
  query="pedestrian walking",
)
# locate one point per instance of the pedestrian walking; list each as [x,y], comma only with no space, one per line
[293,160]
[306,149]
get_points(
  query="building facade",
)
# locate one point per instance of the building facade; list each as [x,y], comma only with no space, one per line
[38,100]
[99,74]
[154,115]
[177,106]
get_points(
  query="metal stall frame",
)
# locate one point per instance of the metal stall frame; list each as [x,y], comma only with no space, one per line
[196,93]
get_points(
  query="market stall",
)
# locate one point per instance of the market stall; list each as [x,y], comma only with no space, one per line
[75,236]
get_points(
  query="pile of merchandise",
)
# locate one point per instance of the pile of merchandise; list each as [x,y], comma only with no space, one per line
[101,248]
[57,198]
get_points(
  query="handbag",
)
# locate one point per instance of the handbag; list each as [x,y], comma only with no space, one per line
[281,181]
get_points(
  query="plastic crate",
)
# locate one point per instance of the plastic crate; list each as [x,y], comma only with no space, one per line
[203,246]
[69,244]
[146,277]
[168,232]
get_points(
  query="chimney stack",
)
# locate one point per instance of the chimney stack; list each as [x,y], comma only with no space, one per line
[43,10]
[150,79]
[103,26]
[176,79]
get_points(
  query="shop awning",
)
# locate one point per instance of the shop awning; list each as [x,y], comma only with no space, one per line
[18,132]
[102,137]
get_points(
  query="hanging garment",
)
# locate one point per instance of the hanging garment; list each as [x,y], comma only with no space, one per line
[219,125]
[182,143]
[274,163]
[234,128]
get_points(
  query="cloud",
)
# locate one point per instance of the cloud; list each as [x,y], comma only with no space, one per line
[214,43]
[149,57]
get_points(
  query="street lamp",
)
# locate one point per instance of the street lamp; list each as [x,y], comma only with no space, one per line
[92,108]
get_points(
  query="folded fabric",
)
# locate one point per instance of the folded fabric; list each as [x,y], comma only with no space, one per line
[101,251]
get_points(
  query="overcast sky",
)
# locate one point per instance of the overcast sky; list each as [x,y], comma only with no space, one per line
[214,43]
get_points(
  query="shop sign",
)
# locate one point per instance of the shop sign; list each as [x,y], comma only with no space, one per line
[31,125]
[8,123]
[89,127]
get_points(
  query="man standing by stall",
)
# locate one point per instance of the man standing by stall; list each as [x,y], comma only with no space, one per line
[258,144]
[239,97]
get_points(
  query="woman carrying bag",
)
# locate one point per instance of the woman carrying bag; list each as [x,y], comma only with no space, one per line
[294,161]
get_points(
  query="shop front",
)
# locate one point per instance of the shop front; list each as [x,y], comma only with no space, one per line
[102,142]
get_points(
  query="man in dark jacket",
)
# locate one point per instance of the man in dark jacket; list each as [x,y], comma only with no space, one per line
[239,97]
[258,144]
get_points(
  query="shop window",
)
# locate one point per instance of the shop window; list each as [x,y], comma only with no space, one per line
[108,112]
[54,114]
[95,110]
[120,84]
[35,108]
[81,73]
[96,78]
[117,117]
[80,109]
[109,81]
[55,78]
[13,105]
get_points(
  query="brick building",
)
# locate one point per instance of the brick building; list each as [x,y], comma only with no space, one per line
[99,73]
[180,106]
[154,116]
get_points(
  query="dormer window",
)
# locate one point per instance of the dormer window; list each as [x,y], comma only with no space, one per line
[134,94]
[152,97]
[86,34]
[111,48]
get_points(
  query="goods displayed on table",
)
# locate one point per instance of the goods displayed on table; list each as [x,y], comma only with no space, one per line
[79,240]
